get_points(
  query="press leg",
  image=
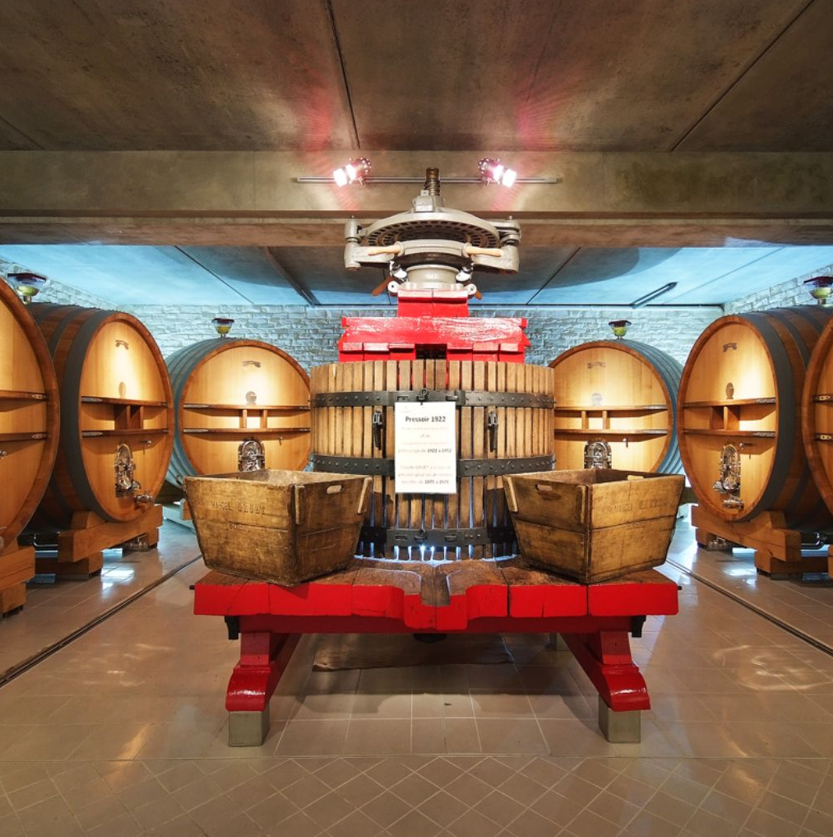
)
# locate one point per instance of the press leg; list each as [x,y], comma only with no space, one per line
[264,657]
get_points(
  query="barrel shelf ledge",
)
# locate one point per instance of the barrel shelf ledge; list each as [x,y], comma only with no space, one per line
[22,395]
[251,408]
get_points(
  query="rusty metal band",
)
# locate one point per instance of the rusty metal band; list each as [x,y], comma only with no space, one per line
[465,467]
[438,538]
[460,397]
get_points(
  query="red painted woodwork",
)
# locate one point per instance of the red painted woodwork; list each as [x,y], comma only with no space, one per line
[433,324]
[595,621]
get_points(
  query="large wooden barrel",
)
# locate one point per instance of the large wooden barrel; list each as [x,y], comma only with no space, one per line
[503,425]
[29,416]
[740,417]
[817,414]
[616,407]
[116,414]
[239,405]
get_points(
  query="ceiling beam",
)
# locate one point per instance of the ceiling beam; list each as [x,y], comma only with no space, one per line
[254,198]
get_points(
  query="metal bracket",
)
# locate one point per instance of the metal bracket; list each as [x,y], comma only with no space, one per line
[491,429]
[377,423]
[637,623]
[437,538]
[465,467]
[460,397]
[233,627]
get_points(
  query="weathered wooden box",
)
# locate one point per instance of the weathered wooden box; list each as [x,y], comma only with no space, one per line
[280,526]
[595,524]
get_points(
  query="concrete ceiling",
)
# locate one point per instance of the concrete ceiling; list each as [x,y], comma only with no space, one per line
[310,75]
[137,275]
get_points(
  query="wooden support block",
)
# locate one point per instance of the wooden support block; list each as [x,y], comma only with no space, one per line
[76,571]
[620,727]
[770,564]
[12,599]
[248,729]
[766,533]
[90,534]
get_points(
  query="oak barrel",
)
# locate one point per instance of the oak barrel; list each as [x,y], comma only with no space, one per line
[29,416]
[616,407]
[503,424]
[739,421]
[817,414]
[239,405]
[116,414]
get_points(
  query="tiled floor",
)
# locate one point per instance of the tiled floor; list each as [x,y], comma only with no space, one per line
[54,611]
[123,732]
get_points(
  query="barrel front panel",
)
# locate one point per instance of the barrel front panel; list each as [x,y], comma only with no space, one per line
[115,392]
[479,504]
[740,417]
[607,391]
[229,391]
[28,416]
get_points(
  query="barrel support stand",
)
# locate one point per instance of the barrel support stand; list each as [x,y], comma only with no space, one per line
[17,566]
[80,547]
[777,548]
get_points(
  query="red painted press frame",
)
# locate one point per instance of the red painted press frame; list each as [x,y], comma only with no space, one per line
[595,621]
[436,319]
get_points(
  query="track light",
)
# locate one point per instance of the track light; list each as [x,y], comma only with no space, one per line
[493,171]
[652,295]
[353,172]
[28,285]
[820,288]
[222,325]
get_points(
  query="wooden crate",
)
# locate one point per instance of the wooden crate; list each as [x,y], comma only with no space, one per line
[280,526]
[594,525]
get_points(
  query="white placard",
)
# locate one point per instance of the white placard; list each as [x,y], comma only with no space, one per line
[426,448]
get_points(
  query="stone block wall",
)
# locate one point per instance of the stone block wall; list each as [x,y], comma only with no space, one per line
[784,295]
[311,335]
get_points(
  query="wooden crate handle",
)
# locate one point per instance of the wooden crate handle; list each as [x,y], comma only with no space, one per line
[363,496]
[511,499]
[543,486]
[298,489]
[335,489]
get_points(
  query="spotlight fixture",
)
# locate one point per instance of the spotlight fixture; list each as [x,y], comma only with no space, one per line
[619,328]
[652,295]
[28,285]
[356,171]
[222,325]
[820,288]
[493,171]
